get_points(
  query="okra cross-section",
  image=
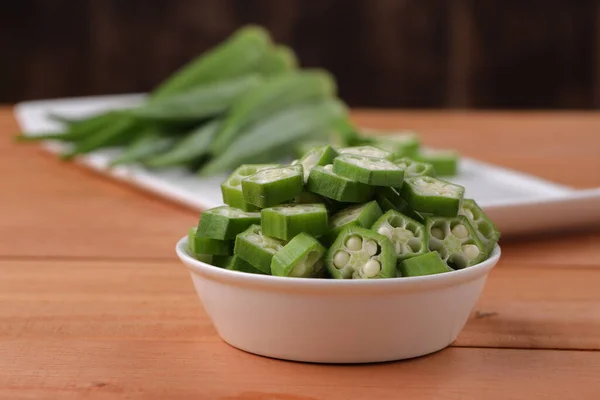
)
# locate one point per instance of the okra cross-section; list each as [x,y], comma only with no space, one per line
[368,151]
[455,240]
[272,186]
[425,264]
[369,170]
[359,253]
[322,155]
[225,222]
[257,249]
[407,235]
[430,195]
[414,168]
[360,215]
[323,181]
[487,232]
[231,188]
[288,220]
[302,257]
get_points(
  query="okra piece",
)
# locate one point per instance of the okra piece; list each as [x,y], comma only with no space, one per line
[323,181]
[301,148]
[207,258]
[425,264]
[444,162]
[487,232]
[224,222]
[302,257]
[430,195]
[257,249]
[273,186]
[215,247]
[368,151]
[122,131]
[360,215]
[359,253]
[404,144]
[285,221]
[414,168]
[368,170]
[389,199]
[147,145]
[279,60]
[322,155]
[231,188]
[308,198]
[455,240]
[406,235]
[235,263]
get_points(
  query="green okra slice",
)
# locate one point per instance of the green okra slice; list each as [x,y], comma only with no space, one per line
[273,186]
[406,235]
[323,181]
[235,263]
[302,257]
[455,240]
[231,188]
[359,215]
[430,195]
[225,222]
[368,170]
[308,198]
[414,168]
[257,249]
[285,221]
[389,199]
[444,162]
[359,253]
[403,144]
[207,258]
[216,247]
[322,155]
[368,151]
[487,232]
[425,264]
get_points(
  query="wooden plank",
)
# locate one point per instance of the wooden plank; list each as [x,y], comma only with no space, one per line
[149,369]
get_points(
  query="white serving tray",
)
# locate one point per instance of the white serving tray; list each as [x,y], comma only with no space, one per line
[517,202]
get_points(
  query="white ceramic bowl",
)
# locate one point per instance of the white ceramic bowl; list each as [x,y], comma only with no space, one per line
[337,321]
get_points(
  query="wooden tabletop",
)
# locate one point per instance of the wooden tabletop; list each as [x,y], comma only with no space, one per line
[95,305]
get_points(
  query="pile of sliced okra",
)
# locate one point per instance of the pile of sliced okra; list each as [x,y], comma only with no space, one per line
[349,213]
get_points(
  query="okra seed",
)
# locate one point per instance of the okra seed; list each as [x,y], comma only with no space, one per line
[471,251]
[437,233]
[371,268]
[371,247]
[460,231]
[254,239]
[340,259]
[385,231]
[328,167]
[469,214]
[354,243]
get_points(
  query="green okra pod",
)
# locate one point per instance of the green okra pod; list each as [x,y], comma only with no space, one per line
[430,195]
[257,249]
[279,60]
[273,186]
[367,150]
[487,232]
[369,170]
[285,221]
[323,181]
[455,240]
[148,144]
[360,215]
[321,155]
[235,263]
[231,188]
[424,264]
[225,223]
[301,257]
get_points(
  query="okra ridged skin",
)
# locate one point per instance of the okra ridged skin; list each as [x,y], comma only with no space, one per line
[323,181]
[414,168]
[207,258]
[455,240]
[288,220]
[368,170]
[322,155]
[215,247]
[487,232]
[235,263]
[231,188]
[225,222]
[430,195]
[406,235]
[361,215]
[273,186]
[389,199]
[359,253]
[425,264]
[301,257]
[257,249]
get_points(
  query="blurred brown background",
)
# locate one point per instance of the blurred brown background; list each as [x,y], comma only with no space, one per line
[516,54]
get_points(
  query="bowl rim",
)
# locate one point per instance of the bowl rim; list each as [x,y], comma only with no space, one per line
[238,278]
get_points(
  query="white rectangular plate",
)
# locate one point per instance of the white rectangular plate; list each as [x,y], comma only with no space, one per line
[517,202]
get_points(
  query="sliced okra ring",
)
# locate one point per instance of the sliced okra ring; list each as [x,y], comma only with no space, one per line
[288,220]
[360,215]
[235,263]
[369,151]
[257,249]
[308,198]
[389,199]
[430,195]
[368,170]
[407,235]
[414,168]
[322,155]
[231,188]
[359,253]
[207,258]
[487,232]
[225,222]
[444,162]
[272,186]
[323,181]
[455,240]
[404,144]
[302,257]
[424,264]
